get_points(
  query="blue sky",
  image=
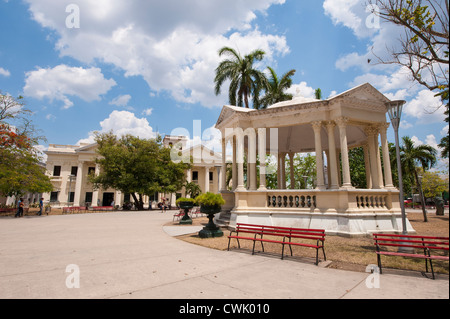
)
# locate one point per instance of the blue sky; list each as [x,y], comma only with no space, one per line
[143,67]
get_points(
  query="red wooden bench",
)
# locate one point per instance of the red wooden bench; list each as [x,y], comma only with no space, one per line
[103,208]
[287,234]
[178,215]
[420,246]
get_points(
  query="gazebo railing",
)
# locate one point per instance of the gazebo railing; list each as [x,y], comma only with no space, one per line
[291,200]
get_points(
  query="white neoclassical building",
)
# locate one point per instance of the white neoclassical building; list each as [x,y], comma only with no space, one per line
[328,128]
[69,166]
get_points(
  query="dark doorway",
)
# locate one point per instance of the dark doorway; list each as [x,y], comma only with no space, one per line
[107,199]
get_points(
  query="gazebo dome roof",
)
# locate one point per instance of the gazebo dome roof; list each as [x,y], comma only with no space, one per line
[296,99]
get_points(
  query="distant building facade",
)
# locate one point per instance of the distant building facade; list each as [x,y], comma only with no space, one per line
[68,167]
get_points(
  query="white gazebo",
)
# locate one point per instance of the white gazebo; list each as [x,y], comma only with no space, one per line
[328,128]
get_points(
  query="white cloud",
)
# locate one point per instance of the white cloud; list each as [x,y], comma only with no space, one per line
[405,125]
[62,81]
[303,88]
[426,107]
[148,111]
[172,44]
[444,130]
[4,72]
[123,123]
[121,100]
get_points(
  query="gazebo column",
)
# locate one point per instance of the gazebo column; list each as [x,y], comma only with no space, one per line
[283,170]
[379,168]
[371,132]
[367,166]
[342,124]
[223,170]
[291,170]
[317,127]
[386,158]
[240,161]
[234,172]
[262,158]
[332,155]
[251,159]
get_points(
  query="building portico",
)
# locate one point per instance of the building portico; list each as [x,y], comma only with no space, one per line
[328,128]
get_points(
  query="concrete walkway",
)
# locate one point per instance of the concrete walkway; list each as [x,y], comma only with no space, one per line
[131,255]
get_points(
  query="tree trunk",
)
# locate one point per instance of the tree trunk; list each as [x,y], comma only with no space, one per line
[422,199]
[138,203]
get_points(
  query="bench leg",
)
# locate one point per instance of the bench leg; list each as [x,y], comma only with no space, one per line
[317,256]
[379,263]
[323,251]
[253,250]
[282,251]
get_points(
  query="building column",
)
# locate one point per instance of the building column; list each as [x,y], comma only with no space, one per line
[317,127]
[206,180]
[342,124]
[332,158]
[378,154]
[291,170]
[78,184]
[95,193]
[262,158]
[370,131]
[386,158]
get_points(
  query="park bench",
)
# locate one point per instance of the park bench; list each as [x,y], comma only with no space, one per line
[315,238]
[415,246]
[178,215]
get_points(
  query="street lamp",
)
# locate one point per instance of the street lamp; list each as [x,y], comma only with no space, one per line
[394,109]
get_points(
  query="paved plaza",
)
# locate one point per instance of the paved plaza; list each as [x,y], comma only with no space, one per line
[133,255]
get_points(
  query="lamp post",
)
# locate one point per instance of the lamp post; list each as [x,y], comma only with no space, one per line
[394,109]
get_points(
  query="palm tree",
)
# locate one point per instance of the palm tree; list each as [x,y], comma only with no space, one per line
[275,88]
[245,80]
[411,156]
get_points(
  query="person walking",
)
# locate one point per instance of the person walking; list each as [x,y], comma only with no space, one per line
[20,206]
[41,206]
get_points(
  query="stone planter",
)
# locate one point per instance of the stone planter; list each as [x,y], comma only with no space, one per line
[186,220]
[211,229]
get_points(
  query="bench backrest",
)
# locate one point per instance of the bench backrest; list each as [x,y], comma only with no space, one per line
[282,231]
[412,241]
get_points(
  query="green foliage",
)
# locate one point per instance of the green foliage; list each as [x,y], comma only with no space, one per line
[185,199]
[20,168]
[275,88]
[434,184]
[210,199]
[245,80]
[192,189]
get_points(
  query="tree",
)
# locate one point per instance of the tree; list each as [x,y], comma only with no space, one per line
[357,167]
[245,80]
[20,167]
[424,47]
[276,88]
[318,94]
[412,156]
[433,184]
[136,166]
[192,189]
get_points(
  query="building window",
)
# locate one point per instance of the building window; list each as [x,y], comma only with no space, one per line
[57,171]
[211,176]
[91,170]
[195,176]
[54,196]
[71,197]
[74,170]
